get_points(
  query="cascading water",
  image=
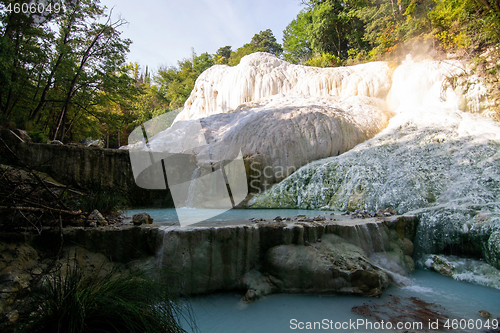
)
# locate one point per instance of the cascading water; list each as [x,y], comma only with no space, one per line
[192,189]
[431,159]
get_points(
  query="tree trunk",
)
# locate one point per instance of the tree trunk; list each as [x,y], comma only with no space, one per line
[41,103]
[71,91]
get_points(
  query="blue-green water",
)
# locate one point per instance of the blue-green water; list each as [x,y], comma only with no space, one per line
[456,300]
[168,216]
[287,313]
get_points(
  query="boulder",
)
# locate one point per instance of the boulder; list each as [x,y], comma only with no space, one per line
[222,89]
[463,269]
[96,219]
[433,160]
[331,266]
[142,218]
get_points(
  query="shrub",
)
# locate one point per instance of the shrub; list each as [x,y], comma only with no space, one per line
[324,59]
[110,302]
[104,201]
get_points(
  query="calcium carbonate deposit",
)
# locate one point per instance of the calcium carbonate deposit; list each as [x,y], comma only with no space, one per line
[436,157]
[433,160]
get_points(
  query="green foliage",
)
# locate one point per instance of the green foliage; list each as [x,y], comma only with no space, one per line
[104,201]
[38,136]
[363,30]
[175,83]
[296,43]
[240,53]
[264,41]
[329,26]
[224,52]
[55,71]
[109,302]
[324,60]
[446,18]
[485,23]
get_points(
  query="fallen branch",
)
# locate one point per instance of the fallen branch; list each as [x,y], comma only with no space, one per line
[36,176]
[42,209]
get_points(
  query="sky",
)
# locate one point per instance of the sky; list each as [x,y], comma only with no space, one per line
[165,31]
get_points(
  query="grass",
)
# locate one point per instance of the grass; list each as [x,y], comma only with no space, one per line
[114,302]
[104,201]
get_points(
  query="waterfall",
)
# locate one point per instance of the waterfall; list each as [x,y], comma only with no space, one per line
[369,136]
[207,259]
[433,160]
[192,189]
[160,248]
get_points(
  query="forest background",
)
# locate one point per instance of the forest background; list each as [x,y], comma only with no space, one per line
[64,75]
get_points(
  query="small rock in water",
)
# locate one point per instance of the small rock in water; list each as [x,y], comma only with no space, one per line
[250,296]
[485,314]
[385,212]
[142,218]
[278,219]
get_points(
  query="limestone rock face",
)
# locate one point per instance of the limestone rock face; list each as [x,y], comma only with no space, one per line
[281,133]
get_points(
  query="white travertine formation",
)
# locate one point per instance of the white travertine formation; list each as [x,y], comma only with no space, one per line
[283,116]
[282,132]
[221,89]
[433,160]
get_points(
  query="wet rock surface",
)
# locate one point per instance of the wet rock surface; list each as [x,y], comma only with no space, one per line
[325,256]
[410,310]
[293,256]
[329,266]
[463,269]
